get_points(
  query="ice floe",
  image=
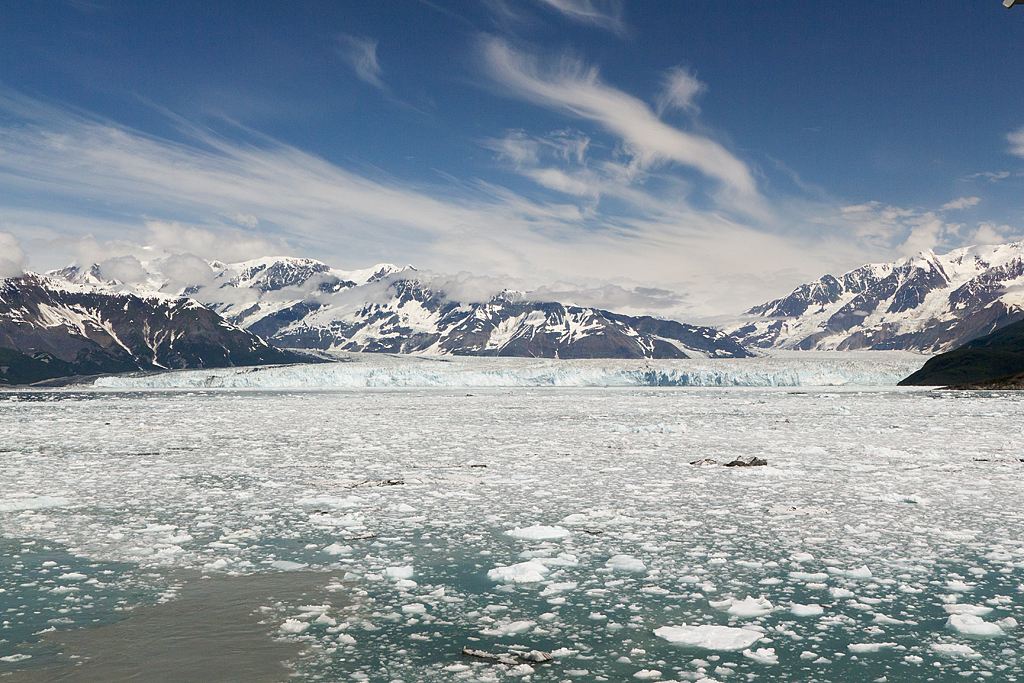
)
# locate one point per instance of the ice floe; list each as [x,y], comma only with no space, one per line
[710,636]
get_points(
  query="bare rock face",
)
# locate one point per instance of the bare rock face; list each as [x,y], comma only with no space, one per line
[927,303]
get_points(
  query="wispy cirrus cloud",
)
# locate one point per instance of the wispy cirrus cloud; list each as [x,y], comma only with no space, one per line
[361,55]
[571,87]
[81,186]
[606,14]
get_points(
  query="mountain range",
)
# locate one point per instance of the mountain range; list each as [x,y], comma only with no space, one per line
[301,303]
[927,303]
[287,309]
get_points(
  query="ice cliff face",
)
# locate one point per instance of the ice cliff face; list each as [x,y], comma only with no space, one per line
[382,370]
[304,304]
[52,328]
[927,303]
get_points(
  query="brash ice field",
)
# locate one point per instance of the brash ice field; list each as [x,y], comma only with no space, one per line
[882,542]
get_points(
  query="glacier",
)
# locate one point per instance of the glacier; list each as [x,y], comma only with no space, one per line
[356,371]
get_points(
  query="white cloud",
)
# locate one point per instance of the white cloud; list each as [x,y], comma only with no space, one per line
[1016,139]
[606,14]
[12,258]
[361,55]
[91,191]
[893,231]
[681,90]
[572,88]
[962,203]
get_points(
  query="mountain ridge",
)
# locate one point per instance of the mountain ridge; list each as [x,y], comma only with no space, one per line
[929,303]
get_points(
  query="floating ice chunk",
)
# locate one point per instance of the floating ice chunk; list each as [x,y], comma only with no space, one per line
[293,626]
[763,655]
[955,650]
[625,563]
[288,566]
[597,516]
[508,628]
[563,560]
[31,502]
[811,610]
[351,519]
[801,557]
[554,588]
[333,501]
[869,647]
[456,668]
[839,593]
[398,573]
[73,576]
[1007,623]
[563,652]
[538,532]
[15,658]
[748,607]
[887,620]
[976,610]
[523,572]
[402,507]
[709,636]
[647,674]
[346,639]
[337,549]
[521,670]
[806,576]
[860,573]
[796,511]
[414,608]
[972,625]
[959,586]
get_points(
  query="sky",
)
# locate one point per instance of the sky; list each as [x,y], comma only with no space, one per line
[685,158]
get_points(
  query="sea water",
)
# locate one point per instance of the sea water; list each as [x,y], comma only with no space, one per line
[882,541]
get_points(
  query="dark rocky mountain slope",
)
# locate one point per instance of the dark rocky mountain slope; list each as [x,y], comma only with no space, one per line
[996,356]
[51,328]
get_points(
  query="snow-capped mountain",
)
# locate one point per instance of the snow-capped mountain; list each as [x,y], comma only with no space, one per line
[388,309]
[50,327]
[928,303]
[304,304]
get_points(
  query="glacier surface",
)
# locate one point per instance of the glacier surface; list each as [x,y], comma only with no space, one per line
[791,369]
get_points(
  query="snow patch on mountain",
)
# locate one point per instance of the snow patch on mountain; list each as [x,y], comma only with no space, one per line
[929,302]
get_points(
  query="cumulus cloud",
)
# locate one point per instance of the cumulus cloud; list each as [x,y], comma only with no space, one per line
[681,90]
[962,203]
[361,55]
[1016,139]
[126,269]
[575,89]
[905,232]
[12,258]
[606,14]
[185,270]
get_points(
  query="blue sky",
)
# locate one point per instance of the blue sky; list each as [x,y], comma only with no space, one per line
[687,157]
